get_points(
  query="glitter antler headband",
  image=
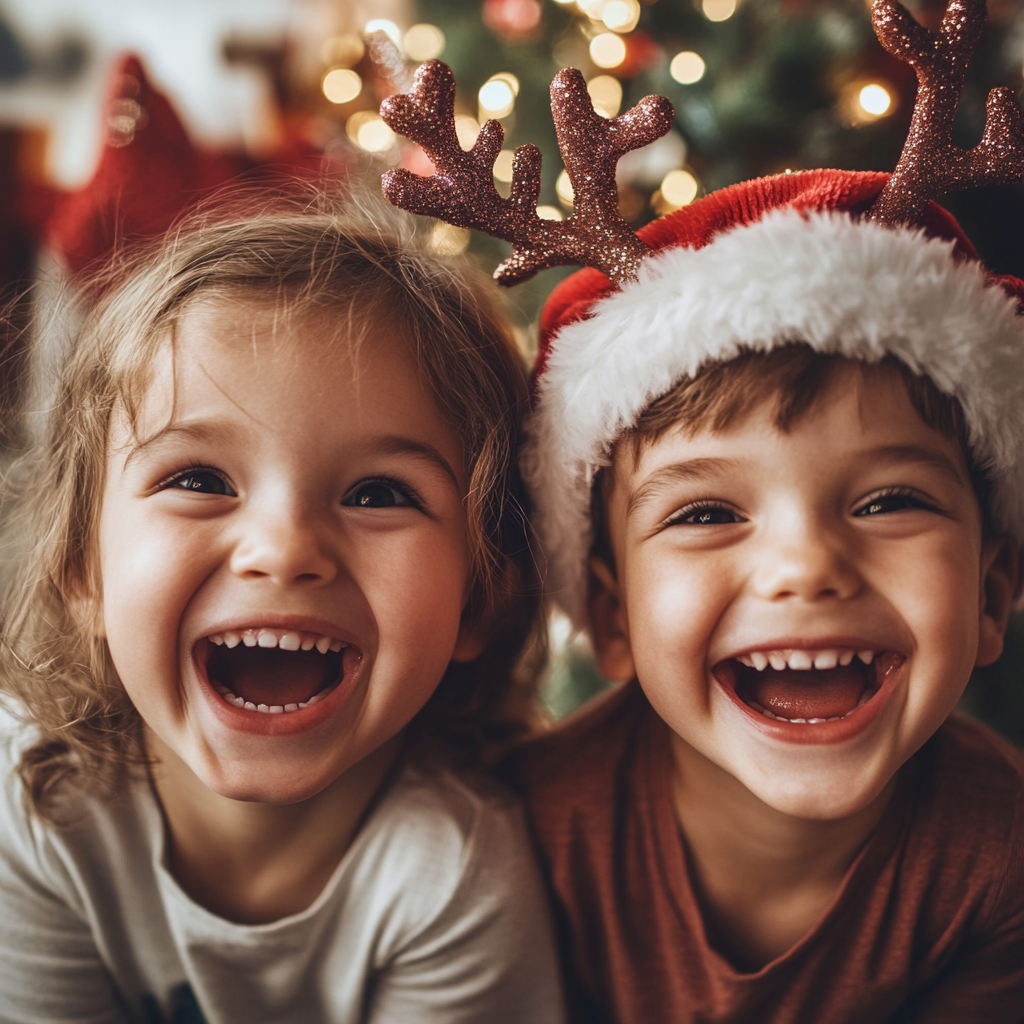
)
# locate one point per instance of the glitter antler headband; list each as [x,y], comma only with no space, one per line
[930,164]
[462,191]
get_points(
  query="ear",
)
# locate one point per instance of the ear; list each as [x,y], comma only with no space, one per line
[609,628]
[474,632]
[1000,582]
[86,607]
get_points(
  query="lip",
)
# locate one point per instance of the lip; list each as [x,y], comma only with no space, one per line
[304,720]
[851,725]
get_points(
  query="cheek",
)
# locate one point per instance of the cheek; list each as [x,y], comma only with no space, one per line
[673,605]
[147,579]
[416,589]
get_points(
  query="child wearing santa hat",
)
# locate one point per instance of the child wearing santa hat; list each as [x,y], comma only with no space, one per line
[778,469]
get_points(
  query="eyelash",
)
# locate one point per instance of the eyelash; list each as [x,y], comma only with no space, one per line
[679,517]
[912,498]
[193,470]
[405,490]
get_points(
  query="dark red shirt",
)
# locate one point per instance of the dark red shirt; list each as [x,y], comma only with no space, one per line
[928,924]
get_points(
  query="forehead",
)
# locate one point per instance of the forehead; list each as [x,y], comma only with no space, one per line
[859,409]
[281,370]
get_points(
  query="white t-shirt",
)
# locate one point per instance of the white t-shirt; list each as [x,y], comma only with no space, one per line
[435,914]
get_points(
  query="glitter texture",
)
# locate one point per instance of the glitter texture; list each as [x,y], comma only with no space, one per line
[930,164]
[462,191]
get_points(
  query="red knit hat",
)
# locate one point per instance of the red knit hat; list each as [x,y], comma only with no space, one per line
[754,267]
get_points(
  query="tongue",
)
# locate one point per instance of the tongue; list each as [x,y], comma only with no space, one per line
[274,676]
[824,693]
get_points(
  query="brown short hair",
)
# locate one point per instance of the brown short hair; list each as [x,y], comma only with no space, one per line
[794,378]
[305,256]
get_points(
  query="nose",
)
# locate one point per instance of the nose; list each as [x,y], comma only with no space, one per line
[803,559]
[284,543]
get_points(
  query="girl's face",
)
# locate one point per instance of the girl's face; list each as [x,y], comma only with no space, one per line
[283,557]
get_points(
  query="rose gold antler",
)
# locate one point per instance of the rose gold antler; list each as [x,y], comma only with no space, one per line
[930,164]
[462,191]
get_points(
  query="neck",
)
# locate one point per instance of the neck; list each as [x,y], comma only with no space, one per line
[255,862]
[763,878]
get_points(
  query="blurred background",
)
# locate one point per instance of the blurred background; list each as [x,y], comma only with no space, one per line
[117,115]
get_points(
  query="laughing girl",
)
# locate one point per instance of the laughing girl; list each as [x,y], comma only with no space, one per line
[276,589]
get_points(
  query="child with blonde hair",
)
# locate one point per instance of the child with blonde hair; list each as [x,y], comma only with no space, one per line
[275,600]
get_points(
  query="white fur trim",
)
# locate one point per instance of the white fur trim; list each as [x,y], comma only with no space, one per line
[850,287]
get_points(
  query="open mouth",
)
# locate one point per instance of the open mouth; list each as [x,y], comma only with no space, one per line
[807,687]
[273,671]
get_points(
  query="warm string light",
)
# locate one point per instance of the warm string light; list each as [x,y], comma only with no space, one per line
[621,15]
[366,129]
[607,50]
[606,95]
[389,28]
[874,99]
[497,96]
[718,10]
[423,42]
[687,67]
[341,85]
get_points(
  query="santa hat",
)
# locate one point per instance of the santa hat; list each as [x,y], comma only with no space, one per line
[751,268]
[856,264]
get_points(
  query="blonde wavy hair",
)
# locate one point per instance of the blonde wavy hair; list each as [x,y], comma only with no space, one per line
[310,255]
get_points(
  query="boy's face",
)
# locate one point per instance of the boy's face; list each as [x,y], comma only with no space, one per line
[746,556]
[303,501]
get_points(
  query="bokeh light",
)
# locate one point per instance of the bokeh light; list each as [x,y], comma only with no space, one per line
[563,186]
[606,94]
[341,85]
[496,98]
[423,42]
[687,67]
[874,99]
[679,188]
[342,51]
[503,165]
[550,213]
[467,128]
[448,240]
[719,10]
[366,129]
[607,50]
[389,28]
[621,15]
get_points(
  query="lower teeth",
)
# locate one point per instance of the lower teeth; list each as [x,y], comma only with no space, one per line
[273,709]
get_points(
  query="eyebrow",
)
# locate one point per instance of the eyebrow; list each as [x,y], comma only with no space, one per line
[395,444]
[676,473]
[703,469]
[912,453]
[391,444]
[194,432]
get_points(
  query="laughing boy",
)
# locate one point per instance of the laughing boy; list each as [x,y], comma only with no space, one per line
[777,462]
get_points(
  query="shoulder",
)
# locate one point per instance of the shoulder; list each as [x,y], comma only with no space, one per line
[435,835]
[969,819]
[970,768]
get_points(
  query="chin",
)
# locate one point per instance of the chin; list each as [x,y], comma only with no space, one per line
[815,798]
[263,784]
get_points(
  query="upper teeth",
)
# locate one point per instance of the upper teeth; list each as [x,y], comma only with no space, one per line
[285,639]
[804,659]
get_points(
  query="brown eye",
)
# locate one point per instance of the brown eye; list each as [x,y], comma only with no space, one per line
[379,494]
[202,481]
[888,503]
